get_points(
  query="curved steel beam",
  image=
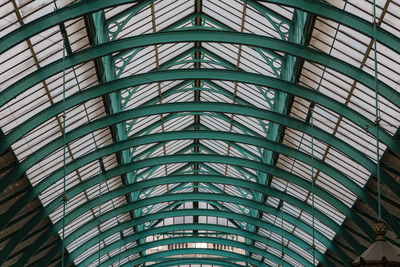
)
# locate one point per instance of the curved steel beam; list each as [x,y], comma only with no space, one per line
[228,75]
[226,214]
[225,180]
[176,240]
[181,107]
[161,137]
[10,243]
[217,197]
[202,212]
[201,107]
[192,36]
[82,8]
[291,88]
[185,261]
[182,227]
[180,252]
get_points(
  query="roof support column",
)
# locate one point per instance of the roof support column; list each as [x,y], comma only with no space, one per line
[98,34]
[299,33]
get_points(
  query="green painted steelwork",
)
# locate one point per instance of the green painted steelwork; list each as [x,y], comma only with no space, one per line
[177,240]
[180,252]
[311,5]
[203,52]
[259,142]
[184,227]
[81,8]
[299,32]
[69,194]
[187,260]
[204,197]
[207,179]
[190,36]
[163,181]
[222,74]
[191,212]
[202,107]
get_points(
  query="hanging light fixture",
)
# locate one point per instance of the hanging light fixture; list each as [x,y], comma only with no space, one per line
[380,253]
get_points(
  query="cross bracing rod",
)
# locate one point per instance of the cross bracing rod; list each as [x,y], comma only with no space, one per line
[185,227]
[86,7]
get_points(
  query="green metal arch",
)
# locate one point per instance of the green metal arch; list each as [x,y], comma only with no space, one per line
[204,107]
[228,180]
[181,107]
[225,214]
[160,256]
[181,227]
[163,254]
[203,212]
[308,94]
[185,261]
[82,8]
[191,36]
[260,142]
[213,135]
[228,75]
[309,8]
[212,240]
[96,91]
[216,197]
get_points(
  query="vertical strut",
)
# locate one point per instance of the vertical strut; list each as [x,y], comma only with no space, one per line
[64,159]
[312,186]
[377,119]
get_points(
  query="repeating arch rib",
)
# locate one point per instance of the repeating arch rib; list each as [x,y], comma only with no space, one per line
[155,138]
[198,196]
[83,8]
[211,240]
[204,107]
[184,227]
[159,255]
[192,36]
[172,179]
[188,260]
[227,75]
[98,51]
[183,180]
[165,198]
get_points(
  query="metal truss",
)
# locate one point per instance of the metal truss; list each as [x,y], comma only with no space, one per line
[124,50]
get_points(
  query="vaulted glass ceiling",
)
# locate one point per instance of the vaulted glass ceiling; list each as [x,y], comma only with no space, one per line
[196,132]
